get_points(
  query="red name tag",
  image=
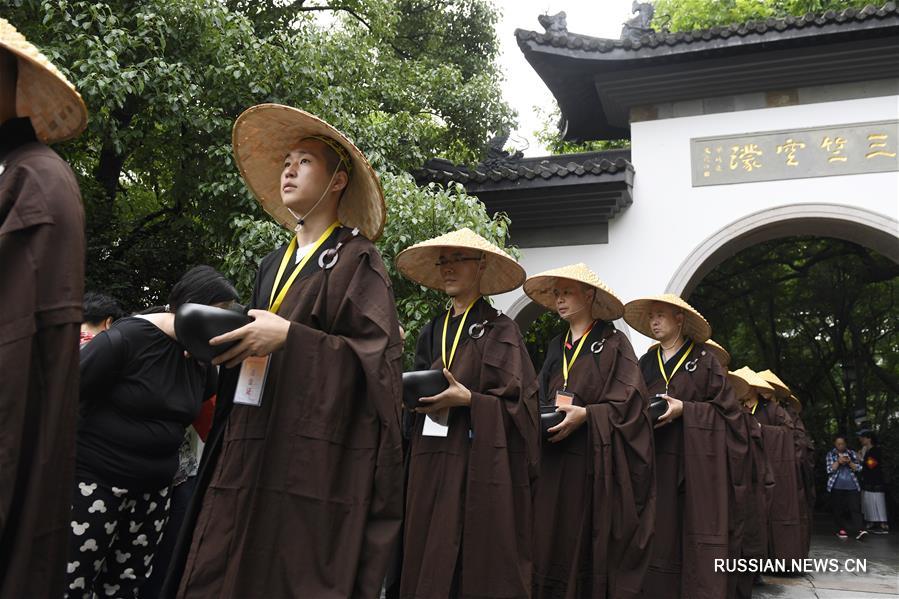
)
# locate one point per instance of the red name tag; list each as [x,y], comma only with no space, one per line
[564,398]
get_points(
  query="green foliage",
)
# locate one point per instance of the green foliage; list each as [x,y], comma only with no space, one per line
[550,137]
[822,314]
[164,80]
[687,15]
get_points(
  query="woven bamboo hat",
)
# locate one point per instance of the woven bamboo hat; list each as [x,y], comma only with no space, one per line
[263,135]
[636,314]
[780,388]
[719,352]
[501,274]
[739,384]
[753,379]
[796,402]
[606,305]
[43,94]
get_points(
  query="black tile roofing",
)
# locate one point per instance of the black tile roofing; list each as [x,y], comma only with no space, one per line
[850,18]
[525,169]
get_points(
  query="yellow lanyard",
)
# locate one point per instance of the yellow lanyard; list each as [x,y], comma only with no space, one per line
[566,367]
[458,334]
[274,303]
[683,358]
[755,406]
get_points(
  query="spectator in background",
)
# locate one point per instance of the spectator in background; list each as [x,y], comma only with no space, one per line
[100,311]
[843,466]
[873,483]
[139,392]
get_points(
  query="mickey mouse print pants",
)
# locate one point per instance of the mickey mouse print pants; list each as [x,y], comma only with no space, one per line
[114,534]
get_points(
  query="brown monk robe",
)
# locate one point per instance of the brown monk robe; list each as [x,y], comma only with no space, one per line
[761,493]
[41,291]
[594,509]
[468,499]
[300,490]
[804,454]
[786,539]
[806,458]
[319,463]
[702,478]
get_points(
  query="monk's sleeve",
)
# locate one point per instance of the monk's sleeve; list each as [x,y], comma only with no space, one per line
[623,480]
[508,392]
[357,368]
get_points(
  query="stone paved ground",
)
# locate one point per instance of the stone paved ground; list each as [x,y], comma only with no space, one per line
[881,581]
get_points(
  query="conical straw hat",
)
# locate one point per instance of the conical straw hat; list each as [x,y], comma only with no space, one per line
[263,135]
[719,352]
[606,305]
[43,94]
[739,385]
[797,404]
[779,386]
[501,274]
[753,379]
[636,314]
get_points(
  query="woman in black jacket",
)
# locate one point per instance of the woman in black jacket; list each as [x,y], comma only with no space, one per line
[139,391]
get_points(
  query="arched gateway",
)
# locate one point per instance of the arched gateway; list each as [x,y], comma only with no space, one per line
[738,135]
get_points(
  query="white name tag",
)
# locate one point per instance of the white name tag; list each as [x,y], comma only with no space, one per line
[251,381]
[436,424]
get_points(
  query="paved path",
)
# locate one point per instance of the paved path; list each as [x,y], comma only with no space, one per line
[880,581]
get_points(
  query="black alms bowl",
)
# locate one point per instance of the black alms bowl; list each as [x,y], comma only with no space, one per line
[422,383]
[196,324]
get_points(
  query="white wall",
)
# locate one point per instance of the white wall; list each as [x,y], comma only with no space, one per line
[669,218]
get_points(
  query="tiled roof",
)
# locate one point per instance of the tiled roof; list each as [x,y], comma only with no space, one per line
[753,30]
[526,169]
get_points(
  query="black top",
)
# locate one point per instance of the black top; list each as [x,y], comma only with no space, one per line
[649,363]
[872,473]
[138,394]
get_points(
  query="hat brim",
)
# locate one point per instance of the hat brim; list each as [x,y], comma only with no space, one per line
[263,135]
[636,314]
[605,305]
[501,273]
[43,93]
[738,384]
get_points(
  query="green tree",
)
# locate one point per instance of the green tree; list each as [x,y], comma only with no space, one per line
[164,80]
[687,15]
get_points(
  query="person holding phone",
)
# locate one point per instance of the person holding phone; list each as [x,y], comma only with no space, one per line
[843,466]
[594,506]
[701,449]
[473,449]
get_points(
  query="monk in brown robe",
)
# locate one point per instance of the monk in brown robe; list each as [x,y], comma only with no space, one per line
[473,448]
[806,457]
[761,490]
[702,453]
[301,485]
[41,289]
[775,401]
[594,510]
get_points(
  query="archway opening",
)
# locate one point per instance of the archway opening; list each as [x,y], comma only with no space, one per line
[823,313]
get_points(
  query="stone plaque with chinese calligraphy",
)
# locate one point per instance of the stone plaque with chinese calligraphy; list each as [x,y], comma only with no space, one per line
[795,154]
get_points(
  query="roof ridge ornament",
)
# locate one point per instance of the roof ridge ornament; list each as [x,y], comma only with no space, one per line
[556,23]
[639,25]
